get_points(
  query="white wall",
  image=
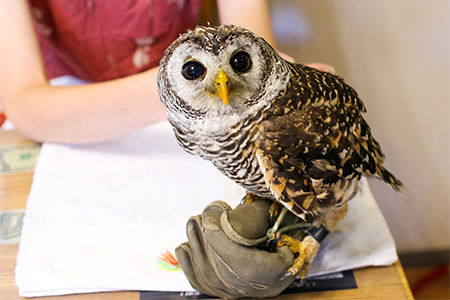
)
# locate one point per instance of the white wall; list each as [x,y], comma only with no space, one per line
[395,53]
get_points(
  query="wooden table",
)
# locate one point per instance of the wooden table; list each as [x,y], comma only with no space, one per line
[373,283]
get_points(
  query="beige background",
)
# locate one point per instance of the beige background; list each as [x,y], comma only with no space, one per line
[395,53]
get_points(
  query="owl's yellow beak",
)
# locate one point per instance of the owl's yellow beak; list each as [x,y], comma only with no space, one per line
[222,87]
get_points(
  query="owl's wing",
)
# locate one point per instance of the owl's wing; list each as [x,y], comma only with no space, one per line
[306,151]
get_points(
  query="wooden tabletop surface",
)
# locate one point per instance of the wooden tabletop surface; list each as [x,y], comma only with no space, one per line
[373,282]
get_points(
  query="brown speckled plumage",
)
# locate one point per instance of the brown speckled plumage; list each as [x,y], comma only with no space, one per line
[299,139]
[314,131]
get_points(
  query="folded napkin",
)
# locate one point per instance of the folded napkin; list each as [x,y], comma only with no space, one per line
[99,215]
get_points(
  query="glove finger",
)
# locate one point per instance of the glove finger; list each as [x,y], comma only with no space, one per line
[201,260]
[248,270]
[211,214]
[249,262]
[184,255]
[251,220]
[235,254]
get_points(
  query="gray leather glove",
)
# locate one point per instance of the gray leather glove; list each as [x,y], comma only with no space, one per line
[221,258]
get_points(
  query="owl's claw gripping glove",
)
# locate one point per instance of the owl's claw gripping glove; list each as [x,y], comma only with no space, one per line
[221,258]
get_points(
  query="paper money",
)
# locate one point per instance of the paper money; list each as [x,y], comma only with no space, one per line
[19,158]
[11,222]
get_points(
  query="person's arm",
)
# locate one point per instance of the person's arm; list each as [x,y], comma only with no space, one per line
[251,14]
[74,114]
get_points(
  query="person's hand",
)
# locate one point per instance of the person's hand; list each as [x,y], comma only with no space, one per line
[221,258]
[319,66]
[322,67]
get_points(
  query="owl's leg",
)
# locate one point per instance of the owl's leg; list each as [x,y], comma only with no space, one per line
[310,245]
[306,249]
[331,217]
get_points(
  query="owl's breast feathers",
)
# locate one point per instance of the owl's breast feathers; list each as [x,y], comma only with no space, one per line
[314,144]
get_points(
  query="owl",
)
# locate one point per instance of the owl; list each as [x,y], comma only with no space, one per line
[283,131]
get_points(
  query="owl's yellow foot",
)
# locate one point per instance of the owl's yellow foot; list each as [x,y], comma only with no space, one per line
[306,249]
[249,198]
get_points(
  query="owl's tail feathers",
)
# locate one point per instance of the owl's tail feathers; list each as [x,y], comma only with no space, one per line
[390,179]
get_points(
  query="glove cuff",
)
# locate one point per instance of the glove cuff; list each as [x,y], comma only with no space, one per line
[236,237]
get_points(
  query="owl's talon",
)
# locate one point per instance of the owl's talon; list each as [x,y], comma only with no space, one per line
[288,273]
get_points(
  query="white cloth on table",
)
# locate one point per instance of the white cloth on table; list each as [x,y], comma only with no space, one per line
[99,215]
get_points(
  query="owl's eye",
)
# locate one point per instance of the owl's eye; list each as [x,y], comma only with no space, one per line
[192,70]
[241,62]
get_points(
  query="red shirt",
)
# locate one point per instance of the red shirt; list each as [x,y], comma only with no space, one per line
[99,40]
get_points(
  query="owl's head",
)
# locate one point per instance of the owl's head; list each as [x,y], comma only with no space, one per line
[219,71]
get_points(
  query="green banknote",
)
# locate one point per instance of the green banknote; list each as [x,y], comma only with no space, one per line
[19,158]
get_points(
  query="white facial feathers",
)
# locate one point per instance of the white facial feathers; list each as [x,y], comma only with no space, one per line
[201,93]
[192,97]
